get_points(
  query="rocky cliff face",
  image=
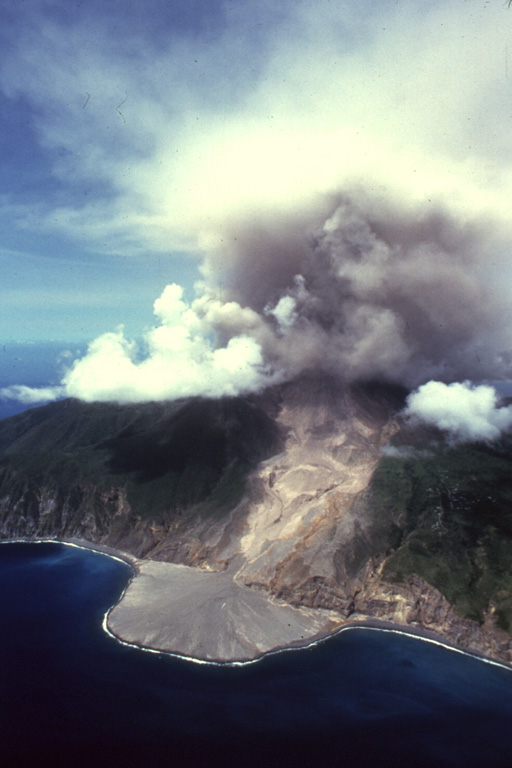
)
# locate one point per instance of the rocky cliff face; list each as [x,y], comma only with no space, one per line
[417,605]
[287,491]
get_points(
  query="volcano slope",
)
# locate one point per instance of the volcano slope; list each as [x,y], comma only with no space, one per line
[259,522]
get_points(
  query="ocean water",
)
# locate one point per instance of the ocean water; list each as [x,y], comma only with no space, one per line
[71,695]
[38,364]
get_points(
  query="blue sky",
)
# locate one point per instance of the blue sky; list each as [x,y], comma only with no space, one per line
[96,99]
[68,271]
[151,144]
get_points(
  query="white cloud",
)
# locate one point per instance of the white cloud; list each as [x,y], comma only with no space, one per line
[179,359]
[408,98]
[468,413]
[284,311]
[32,395]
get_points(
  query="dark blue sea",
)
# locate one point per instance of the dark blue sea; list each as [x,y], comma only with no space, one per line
[71,695]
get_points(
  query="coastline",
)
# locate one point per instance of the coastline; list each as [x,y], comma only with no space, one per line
[363,623]
[100,549]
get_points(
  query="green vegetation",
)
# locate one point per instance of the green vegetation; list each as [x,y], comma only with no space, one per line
[453,509]
[183,458]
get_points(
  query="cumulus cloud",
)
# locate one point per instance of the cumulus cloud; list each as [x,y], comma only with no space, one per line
[468,413]
[178,358]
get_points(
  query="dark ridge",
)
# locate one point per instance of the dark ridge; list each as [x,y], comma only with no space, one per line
[105,466]
[210,433]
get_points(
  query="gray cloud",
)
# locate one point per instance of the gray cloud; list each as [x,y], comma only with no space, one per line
[378,290]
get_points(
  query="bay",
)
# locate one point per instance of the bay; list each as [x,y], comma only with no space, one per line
[72,695]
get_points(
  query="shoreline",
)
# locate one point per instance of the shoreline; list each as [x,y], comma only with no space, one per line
[367,624]
[100,549]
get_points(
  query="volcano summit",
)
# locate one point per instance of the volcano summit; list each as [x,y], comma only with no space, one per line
[264,521]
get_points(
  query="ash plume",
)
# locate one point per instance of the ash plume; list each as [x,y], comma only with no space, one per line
[355,286]
[367,289]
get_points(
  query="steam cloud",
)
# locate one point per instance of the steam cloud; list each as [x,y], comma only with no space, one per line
[467,413]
